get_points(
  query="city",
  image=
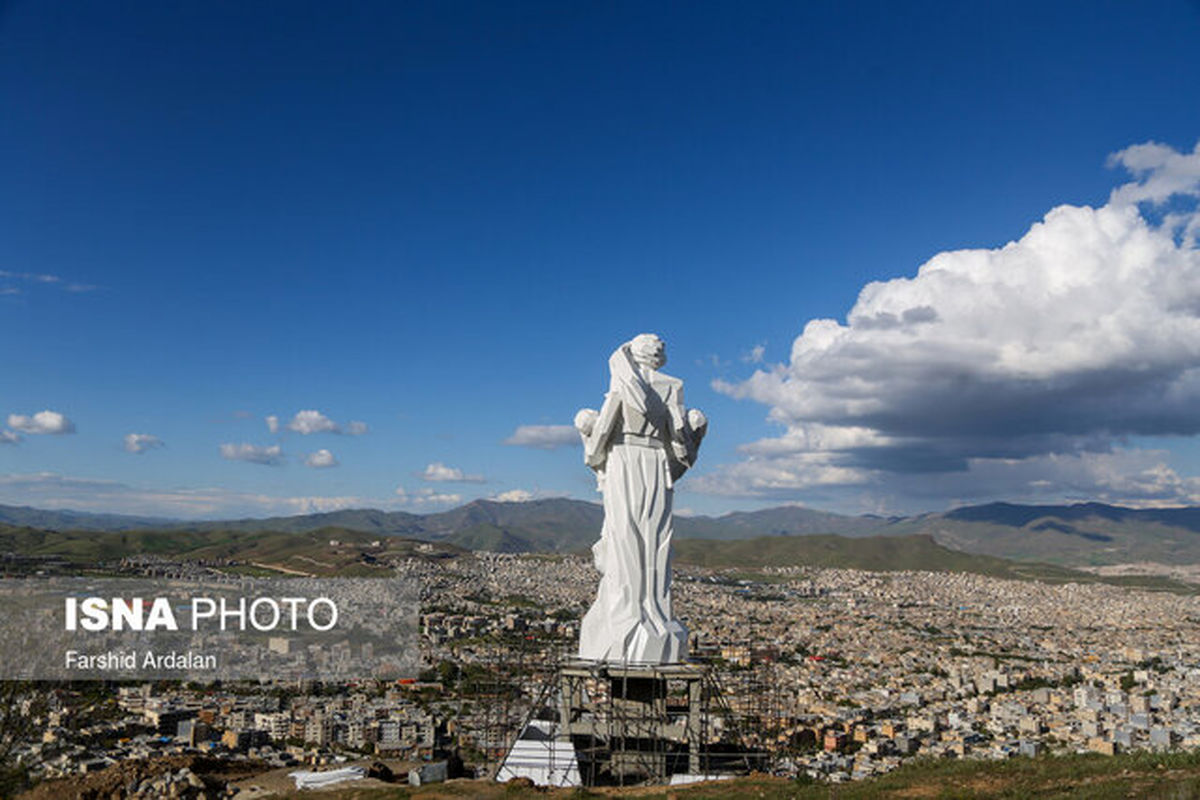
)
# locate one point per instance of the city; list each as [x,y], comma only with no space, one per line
[832,674]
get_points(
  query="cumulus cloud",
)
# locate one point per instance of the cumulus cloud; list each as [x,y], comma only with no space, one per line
[438,472]
[42,423]
[544,437]
[9,437]
[514,496]
[141,442]
[320,459]
[54,491]
[1053,349]
[271,456]
[310,421]
[424,497]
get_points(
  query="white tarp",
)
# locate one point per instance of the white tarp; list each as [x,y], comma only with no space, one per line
[306,779]
[542,756]
[682,779]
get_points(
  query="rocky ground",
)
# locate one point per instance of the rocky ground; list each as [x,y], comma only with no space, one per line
[177,777]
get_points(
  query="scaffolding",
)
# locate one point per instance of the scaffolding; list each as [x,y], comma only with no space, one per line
[510,677]
[601,723]
[540,712]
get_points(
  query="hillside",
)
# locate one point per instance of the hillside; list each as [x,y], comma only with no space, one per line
[309,553]
[875,553]
[889,554]
[1132,775]
[787,521]
[358,553]
[548,525]
[1085,534]
[26,516]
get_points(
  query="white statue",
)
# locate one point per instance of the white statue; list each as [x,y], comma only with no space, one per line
[639,443]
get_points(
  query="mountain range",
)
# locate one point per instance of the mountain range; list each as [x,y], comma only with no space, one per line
[1084,534]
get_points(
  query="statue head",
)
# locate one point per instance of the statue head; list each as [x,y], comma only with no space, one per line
[648,350]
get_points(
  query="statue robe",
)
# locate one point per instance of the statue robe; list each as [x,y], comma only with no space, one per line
[639,445]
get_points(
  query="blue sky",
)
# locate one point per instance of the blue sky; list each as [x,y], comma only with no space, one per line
[438,219]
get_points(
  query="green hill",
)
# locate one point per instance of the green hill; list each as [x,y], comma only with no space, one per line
[311,552]
[1084,534]
[887,554]
[878,553]
[1087,534]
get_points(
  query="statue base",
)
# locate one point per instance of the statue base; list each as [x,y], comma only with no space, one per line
[625,724]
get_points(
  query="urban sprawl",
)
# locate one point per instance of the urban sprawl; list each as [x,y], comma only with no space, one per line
[835,674]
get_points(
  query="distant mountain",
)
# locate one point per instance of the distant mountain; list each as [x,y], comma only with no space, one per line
[555,525]
[555,517]
[890,554]
[1018,515]
[313,552]
[1082,534]
[367,520]
[75,520]
[786,521]
[973,540]
[877,553]
[550,525]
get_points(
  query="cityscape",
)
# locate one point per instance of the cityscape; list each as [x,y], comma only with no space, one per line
[832,675]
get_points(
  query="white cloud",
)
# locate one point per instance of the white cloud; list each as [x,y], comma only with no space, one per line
[43,422]
[321,459]
[544,437]
[425,497]
[33,277]
[310,421]
[271,456]
[53,491]
[438,472]
[1137,478]
[42,278]
[141,442]
[9,437]
[1060,345]
[755,354]
[1161,171]
[514,496]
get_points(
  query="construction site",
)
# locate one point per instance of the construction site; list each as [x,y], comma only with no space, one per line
[558,720]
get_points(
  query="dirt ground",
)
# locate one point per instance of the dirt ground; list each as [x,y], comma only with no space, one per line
[276,782]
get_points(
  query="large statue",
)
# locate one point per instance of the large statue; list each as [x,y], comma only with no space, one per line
[639,443]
